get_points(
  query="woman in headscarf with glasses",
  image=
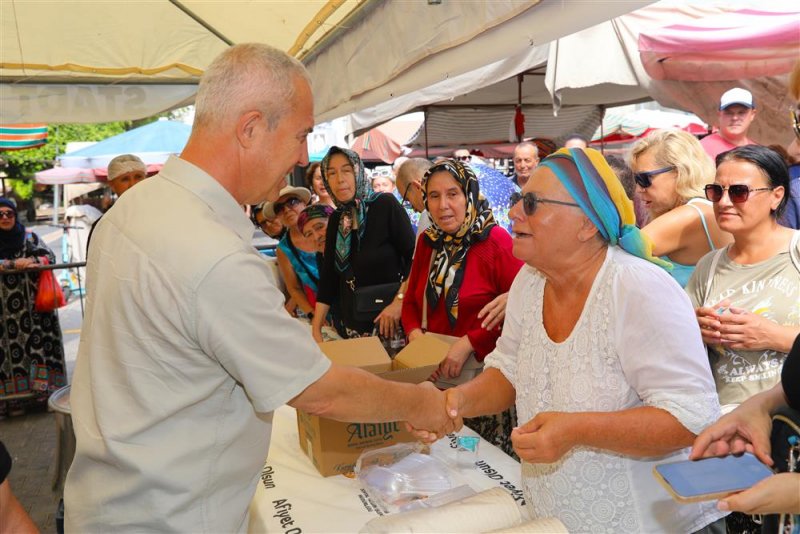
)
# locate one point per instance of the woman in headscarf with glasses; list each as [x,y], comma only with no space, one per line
[31,351]
[369,243]
[601,354]
[670,169]
[461,264]
[747,294]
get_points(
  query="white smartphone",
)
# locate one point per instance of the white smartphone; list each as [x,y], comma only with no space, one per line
[711,478]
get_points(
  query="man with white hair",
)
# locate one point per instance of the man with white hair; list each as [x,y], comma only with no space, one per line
[186,350]
[526,158]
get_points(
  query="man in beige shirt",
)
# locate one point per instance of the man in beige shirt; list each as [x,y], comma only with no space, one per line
[186,350]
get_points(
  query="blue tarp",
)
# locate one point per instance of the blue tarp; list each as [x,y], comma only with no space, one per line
[158,139]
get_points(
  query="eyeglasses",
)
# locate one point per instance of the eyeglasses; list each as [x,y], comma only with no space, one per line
[529,201]
[7,215]
[463,158]
[645,179]
[738,193]
[292,202]
[795,115]
[405,195]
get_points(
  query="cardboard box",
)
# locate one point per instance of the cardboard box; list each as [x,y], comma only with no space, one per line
[334,446]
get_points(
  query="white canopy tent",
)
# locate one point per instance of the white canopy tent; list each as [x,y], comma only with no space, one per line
[567,82]
[68,61]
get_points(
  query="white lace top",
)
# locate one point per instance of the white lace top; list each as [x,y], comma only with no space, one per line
[636,343]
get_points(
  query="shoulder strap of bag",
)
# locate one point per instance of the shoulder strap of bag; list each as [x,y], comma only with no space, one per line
[425,293]
[711,270]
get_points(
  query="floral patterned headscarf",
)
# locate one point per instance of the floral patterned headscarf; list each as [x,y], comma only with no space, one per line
[447,268]
[354,211]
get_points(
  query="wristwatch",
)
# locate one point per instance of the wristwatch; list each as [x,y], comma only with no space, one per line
[310,315]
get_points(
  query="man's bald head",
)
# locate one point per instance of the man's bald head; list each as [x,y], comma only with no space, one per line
[409,181]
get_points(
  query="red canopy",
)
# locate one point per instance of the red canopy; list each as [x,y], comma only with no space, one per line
[375,145]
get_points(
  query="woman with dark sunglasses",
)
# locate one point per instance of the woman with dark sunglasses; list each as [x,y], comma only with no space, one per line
[32,353]
[297,257]
[670,170]
[600,354]
[747,295]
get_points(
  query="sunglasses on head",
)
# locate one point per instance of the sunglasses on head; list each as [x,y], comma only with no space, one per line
[530,200]
[738,193]
[645,179]
[7,214]
[290,203]
[463,158]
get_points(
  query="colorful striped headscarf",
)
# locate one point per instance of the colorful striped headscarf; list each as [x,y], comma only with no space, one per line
[353,212]
[586,175]
[447,268]
[314,211]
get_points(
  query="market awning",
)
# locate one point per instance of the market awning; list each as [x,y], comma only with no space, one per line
[22,136]
[69,61]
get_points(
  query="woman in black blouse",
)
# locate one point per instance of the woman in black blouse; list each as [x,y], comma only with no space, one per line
[369,242]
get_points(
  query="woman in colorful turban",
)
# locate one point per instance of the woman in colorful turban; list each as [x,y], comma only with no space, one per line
[602,355]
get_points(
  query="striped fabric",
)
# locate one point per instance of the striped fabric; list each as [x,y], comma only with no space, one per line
[22,136]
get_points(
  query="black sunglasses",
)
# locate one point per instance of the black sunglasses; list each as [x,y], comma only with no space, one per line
[738,193]
[7,215]
[529,201]
[292,202]
[645,179]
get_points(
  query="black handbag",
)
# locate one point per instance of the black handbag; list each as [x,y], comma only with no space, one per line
[369,301]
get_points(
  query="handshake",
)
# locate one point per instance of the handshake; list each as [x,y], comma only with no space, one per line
[437,414]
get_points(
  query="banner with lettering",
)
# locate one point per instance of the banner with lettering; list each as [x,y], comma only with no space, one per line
[292,497]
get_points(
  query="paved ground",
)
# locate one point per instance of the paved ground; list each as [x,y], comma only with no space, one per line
[31,438]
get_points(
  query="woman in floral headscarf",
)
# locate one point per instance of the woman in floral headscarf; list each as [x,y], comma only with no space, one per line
[369,242]
[31,353]
[462,262]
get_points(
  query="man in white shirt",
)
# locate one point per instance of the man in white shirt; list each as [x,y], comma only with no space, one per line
[409,185]
[186,349]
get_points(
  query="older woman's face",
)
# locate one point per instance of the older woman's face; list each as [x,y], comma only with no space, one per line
[314,231]
[447,203]
[662,195]
[7,218]
[741,217]
[552,229]
[341,177]
[123,182]
[318,185]
[382,184]
[288,209]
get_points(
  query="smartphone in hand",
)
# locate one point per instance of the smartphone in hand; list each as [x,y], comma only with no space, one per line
[710,478]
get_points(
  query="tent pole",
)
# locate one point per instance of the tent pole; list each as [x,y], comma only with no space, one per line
[602,131]
[425,125]
[56,203]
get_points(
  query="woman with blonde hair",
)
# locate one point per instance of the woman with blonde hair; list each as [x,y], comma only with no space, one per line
[671,169]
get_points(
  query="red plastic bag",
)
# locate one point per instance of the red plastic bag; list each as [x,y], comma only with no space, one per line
[49,295]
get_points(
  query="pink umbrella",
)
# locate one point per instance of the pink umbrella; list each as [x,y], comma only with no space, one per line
[66,175]
[743,44]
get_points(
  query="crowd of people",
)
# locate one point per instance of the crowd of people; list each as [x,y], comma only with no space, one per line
[606,338]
